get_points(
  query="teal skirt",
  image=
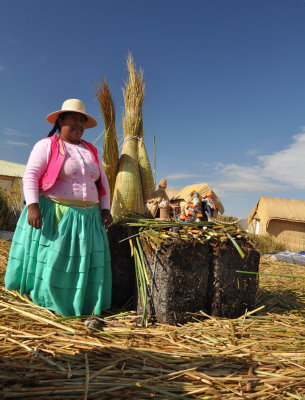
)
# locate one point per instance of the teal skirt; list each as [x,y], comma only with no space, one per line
[66,268]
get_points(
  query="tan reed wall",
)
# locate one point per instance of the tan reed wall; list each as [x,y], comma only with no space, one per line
[290,233]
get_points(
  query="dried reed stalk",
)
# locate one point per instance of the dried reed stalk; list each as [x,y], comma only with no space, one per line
[110,146]
[260,355]
[128,191]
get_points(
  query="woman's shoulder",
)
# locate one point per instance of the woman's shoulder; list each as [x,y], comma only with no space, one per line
[88,144]
[42,144]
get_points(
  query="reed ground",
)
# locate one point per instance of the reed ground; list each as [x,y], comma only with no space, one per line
[257,356]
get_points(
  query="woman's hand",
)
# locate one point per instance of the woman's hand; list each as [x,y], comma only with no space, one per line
[106,218]
[34,216]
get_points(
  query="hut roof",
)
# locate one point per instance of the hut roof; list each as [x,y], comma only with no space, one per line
[202,189]
[268,208]
[171,193]
[12,169]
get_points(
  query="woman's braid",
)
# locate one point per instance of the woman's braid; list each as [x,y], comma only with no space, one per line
[55,128]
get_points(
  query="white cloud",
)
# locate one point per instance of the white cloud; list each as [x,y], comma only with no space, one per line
[2,68]
[182,176]
[12,132]
[287,166]
[251,153]
[235,178]
[281,171]
[12,143]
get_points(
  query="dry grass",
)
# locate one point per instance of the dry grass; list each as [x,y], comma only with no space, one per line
[257,356]
[266,244]
[10,206]
[281,295]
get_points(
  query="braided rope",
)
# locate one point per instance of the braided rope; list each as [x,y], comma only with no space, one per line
[131,137]
[217,221]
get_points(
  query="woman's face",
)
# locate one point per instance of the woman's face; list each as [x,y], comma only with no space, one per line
[72,127]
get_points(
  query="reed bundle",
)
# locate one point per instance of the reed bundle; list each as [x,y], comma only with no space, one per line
[110,145]
[260,355]
[147,178]
[154,245]
[128,189]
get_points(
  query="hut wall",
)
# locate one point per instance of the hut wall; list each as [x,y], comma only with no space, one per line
[251,226]
[289,232]
[6,182]
[262,225]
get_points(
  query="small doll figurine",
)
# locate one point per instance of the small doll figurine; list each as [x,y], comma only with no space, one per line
[164,210]
[158,201]
[194,207]
[182,216]
[210,204]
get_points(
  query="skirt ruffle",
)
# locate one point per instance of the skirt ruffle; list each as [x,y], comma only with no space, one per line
[67,271]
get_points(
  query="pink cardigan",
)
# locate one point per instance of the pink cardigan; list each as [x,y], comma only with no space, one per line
[58,156]
[76,178]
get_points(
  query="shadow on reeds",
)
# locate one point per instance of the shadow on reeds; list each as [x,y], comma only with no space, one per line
[120,373]
[280,301]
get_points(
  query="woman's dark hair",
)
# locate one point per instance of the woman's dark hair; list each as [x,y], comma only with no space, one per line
[56,126]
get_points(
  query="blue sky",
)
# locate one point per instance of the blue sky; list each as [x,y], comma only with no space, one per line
[225,85]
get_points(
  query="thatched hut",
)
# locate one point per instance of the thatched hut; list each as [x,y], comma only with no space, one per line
[184,195]
[10,174]
[282,219]
[171,193]
[11,194]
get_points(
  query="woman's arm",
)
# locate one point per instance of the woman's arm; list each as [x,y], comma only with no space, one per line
[105,199]
[36,166]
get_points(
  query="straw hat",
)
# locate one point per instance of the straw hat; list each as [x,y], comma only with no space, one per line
[72,105]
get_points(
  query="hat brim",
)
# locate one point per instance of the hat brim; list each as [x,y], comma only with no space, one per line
[91,122]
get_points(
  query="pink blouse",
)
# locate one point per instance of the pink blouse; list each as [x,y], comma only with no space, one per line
[76,179]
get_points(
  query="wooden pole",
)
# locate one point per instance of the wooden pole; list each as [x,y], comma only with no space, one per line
[155,160]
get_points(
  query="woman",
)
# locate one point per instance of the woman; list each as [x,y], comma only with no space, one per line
[60,253]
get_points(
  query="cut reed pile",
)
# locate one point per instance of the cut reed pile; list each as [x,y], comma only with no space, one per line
[260,355]
[110,145]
